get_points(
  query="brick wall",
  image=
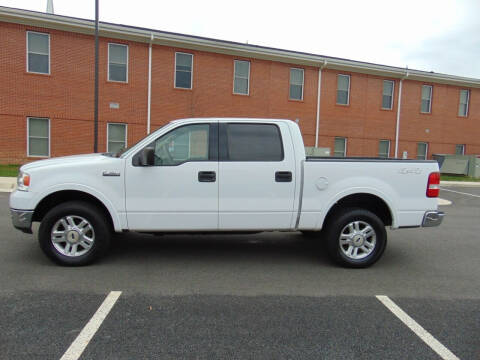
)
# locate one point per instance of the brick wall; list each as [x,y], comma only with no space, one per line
[66,97]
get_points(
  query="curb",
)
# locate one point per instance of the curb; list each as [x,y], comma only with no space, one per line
[8,184]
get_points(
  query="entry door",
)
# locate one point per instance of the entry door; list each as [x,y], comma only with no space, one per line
[256,177]
[180,192]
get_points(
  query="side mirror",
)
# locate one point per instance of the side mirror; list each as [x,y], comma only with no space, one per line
[147,157]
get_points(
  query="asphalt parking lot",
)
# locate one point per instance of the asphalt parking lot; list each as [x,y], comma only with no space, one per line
[266,296]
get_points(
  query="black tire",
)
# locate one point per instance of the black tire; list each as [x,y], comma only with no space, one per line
[101,230]
[339,223]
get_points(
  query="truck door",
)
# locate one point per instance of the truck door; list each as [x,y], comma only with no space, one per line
[256,176]
[180,191]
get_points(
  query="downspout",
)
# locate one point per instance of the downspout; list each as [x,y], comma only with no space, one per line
[319,89]
[397,131]
[149,99]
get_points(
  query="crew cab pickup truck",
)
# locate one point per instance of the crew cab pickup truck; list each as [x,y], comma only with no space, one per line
[223,175]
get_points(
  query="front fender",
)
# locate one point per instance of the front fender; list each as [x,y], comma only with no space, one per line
[118,224]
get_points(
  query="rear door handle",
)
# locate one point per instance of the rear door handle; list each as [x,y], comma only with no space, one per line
[207,176]
[283,176]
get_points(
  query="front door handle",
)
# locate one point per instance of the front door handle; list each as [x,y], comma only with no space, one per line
[283,176]
[207,176]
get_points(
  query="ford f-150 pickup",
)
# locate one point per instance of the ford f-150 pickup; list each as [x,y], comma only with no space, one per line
[223,175]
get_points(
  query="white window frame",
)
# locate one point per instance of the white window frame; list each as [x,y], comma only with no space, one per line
[348,93]
[42,33]
[126,133]
[108,64]
[175,72]
[248,78]
[426,150]
[393,94]
[468,102]
[388,149]
[290,83]
[345,147]
[39,137]
[430,100]
[463,149]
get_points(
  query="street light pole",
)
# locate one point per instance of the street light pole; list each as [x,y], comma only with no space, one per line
[95,111]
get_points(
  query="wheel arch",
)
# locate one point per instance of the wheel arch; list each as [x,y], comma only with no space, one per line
[61,196]
[364,200]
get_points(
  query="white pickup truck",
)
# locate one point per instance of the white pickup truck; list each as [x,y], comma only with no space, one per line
[223,175]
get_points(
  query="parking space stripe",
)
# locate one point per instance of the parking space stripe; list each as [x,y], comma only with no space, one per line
[417,329]
[459,192]
[80,343]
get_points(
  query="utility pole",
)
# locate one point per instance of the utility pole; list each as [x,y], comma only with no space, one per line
[95,111]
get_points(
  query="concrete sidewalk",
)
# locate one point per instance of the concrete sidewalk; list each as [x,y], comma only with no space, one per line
[460,183]
[8,184]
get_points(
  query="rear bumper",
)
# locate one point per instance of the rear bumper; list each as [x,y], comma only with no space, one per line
[433,218]
[22,220]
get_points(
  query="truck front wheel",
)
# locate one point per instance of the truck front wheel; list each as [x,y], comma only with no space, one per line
[356,238]
[74,233]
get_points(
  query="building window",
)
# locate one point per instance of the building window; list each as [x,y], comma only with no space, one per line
[38,137]
[426,99]
[296,84]
[183,70]
[118,62]
[422,151]
[384,148]
[340,148]
[343,89]
[464,99]
[116,137]
[387,97]
[38,52]
[460,149]
[241,78]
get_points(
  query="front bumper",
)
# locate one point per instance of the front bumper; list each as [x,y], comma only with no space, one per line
[432,218]
[22,220]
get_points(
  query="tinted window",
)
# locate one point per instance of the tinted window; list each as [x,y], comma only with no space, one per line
[254,142]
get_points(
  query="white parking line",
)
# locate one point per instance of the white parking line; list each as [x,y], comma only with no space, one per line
[459,192]
[80,343]
[444,202]
[417,329]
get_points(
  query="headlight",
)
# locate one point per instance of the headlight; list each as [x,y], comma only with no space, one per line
[23,181]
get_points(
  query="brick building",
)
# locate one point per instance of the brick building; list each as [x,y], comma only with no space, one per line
[149,77]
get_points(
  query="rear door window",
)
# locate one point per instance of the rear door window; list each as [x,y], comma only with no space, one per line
[253,142]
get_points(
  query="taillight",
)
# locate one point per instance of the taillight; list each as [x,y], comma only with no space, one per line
[433,186]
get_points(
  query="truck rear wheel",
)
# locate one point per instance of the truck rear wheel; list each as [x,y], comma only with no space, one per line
[356,238]
[74,233]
